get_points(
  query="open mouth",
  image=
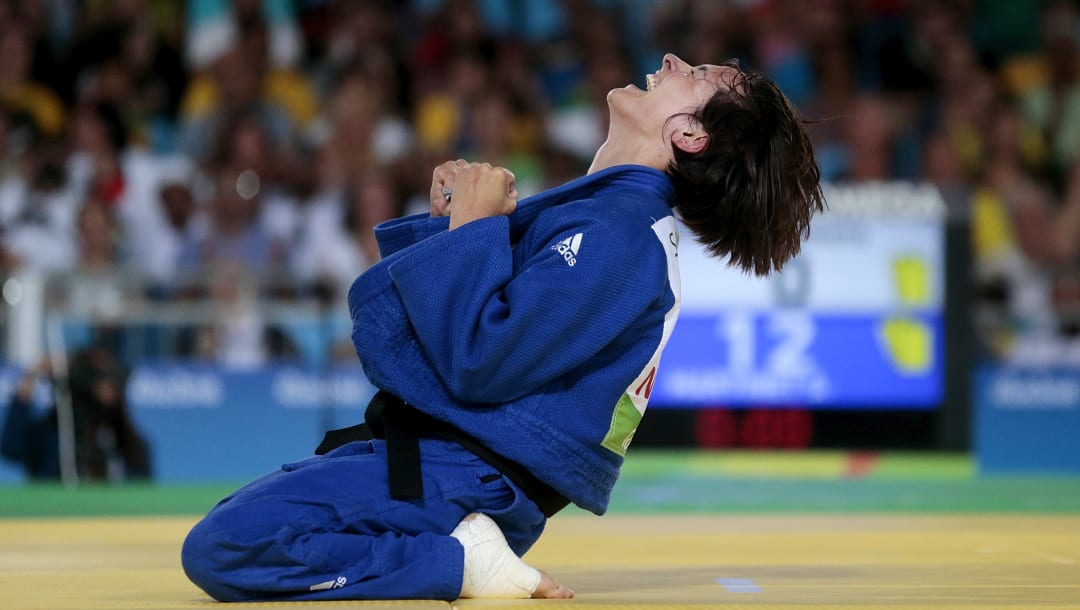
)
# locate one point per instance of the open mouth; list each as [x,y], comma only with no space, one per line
[650,81]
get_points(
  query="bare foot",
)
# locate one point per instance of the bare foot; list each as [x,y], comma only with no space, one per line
[549,589]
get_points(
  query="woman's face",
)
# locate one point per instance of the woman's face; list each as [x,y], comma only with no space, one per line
[676,88]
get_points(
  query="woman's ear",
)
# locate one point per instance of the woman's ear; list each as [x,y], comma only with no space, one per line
[689,136]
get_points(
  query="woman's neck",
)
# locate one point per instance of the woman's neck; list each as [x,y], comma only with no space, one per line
[627,151]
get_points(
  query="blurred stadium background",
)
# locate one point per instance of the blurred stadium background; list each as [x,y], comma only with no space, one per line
[187,190]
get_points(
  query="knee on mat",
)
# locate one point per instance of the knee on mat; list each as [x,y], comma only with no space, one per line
[205,557]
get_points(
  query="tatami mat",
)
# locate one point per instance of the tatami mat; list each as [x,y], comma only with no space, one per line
[625,562]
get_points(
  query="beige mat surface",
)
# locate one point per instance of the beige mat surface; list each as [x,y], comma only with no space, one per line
[730,561]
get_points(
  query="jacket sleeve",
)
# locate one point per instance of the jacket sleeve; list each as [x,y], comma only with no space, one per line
[400,233]
[494,334]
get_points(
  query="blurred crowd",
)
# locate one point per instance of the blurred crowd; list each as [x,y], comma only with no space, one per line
[232,150]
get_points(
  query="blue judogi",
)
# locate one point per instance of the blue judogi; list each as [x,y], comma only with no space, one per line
[537,335]
[326,528]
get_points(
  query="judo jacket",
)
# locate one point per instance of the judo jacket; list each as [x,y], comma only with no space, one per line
[538,334]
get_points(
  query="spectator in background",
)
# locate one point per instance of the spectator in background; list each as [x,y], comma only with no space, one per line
[943,167]
[234,234]
[338,254]
[967,103]
[213,26]
[1066,234]
[128,179]
[440,112]
[49,26]
[445,88]
[780,32]
[145,79]
[1050,97]
[287,86]
[318,191]
[870,139]
[591,65]
[830,102]
[500,130]
[108,445]
[123,56]
[96,163]
[364,36]
[362,126]
[19,92]
[246,148]
[514,73]
[456,27]
[95,288]
[237,335]
[236,87]
[159,224]
[40,211]
[1009,221]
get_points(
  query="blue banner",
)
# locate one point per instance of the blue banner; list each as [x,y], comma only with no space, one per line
[206,424]
[1027,420]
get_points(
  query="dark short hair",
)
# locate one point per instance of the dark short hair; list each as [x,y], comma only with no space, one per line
[750,194]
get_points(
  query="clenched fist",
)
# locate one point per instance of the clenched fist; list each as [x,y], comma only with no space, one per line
[443,180]
[480,190]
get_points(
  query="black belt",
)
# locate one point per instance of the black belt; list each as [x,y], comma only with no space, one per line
[402,426]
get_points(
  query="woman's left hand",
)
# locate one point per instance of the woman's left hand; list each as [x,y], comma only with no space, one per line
[443,180]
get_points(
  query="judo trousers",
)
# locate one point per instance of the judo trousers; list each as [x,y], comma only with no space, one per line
[326,528]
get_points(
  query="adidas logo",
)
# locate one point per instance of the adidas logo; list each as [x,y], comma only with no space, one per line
[568,248]
[337,583]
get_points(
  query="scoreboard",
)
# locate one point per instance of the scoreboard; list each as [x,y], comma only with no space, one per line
[854,321]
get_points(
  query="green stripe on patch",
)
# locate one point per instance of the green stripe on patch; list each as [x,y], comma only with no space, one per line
[624,422]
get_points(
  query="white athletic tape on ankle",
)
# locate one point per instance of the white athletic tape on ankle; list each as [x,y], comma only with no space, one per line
[492,570]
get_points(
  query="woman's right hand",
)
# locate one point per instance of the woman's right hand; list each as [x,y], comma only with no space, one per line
[481,191]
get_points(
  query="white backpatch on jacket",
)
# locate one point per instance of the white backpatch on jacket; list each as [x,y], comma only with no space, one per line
[631,407]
